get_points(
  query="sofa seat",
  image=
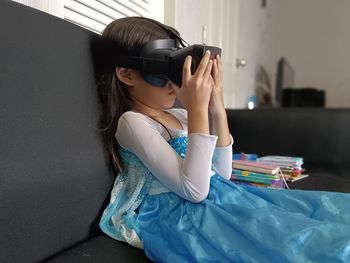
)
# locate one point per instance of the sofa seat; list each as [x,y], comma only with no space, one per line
[101,249]
[324,179]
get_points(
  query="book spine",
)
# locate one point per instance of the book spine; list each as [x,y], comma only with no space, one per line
[248,173]
[279,163]
[254,179]
[252,168]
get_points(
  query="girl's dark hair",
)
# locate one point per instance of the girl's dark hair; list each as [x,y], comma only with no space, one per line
[128,36]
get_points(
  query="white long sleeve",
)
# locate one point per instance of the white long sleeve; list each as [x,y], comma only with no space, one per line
[189,178]
[222,160]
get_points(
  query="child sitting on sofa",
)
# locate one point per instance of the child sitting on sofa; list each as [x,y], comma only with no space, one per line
[172,196]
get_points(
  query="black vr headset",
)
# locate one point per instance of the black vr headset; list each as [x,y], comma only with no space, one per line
[160,60]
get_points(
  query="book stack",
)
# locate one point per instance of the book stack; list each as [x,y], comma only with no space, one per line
[257,174]
[291,167]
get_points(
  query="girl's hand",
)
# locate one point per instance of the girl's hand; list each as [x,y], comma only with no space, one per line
[216,104]
[197,88]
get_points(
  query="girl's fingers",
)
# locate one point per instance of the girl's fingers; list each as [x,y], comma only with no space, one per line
[219,64]
[212,82]
[215,72]
[207,72]
[215,69]
[203,64]
[186,70]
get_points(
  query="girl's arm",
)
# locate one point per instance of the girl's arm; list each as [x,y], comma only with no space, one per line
[189,178]
[223,152]
[222,159]
[196,99]
[195,94]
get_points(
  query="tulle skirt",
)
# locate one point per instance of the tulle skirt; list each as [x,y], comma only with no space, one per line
[239,223]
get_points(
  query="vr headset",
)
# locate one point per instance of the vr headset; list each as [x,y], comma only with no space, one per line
[160,60]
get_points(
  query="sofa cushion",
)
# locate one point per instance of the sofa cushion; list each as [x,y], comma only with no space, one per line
[324,179]
[101,249]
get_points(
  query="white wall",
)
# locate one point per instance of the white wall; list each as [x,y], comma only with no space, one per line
[186,16]
[53,7]
[253,45]
[314,36]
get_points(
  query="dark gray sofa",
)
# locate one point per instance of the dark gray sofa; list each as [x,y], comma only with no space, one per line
[54,176]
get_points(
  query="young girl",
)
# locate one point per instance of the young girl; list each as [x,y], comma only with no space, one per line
[172,196]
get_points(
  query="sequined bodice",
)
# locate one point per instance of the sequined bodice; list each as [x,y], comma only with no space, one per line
[179,144]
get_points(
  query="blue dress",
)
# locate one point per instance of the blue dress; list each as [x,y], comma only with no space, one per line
[235,223]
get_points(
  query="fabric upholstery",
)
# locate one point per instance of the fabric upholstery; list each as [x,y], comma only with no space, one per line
[101,249]
[54,177]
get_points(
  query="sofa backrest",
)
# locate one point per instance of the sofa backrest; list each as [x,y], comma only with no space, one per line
[320,136]
[54,178]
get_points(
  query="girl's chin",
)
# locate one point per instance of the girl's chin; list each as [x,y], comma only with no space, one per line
[170,103]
